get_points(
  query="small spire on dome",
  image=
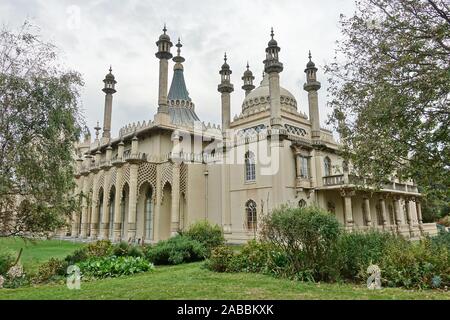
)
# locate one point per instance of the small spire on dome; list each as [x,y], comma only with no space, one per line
[248,66]
[110,68]
[309,55]
[271,32]
[225,57]
[165,28]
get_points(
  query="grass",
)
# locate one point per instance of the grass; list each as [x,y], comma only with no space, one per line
[191,281]
[36,252]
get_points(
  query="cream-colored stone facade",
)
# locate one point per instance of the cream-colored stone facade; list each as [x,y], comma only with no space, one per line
[160,176]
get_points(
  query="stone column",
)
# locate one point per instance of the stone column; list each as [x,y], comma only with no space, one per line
[175,215]
[397,213]
[226,212]
[163,81]
[84,209]
[278,186]
[368,216]
[159,191]
[419,215]
[349,222]
[96,214]
[298,164]
[383,211]
[106,203]
[133,199]
[275,102]
[408,216]
[117,206]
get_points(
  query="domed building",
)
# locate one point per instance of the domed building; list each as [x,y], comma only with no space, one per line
[161,175]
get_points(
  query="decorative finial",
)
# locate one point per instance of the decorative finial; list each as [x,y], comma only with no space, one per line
[97,130]
[164,29]
[225,57]
[248,66]
[271,32]
[110,68]
[310,56]
[179,45]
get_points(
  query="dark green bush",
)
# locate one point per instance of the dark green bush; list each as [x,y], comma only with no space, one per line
[443,238]
[113,266]
[254,257]
[51,270]
[77,256]
[357,251]
[415,265]
[209,235]
[221,260]
[124,249]
[7,259]
[100,248]
[308,237]
[176,250]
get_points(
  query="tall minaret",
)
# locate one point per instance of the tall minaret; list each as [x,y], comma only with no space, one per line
[273,67]
[312,86]
[225,88]
[248,81]
[163,55]
[109,90]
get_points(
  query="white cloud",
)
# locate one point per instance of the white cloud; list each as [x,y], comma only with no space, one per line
[123,33]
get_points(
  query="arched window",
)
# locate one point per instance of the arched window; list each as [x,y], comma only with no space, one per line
[100,209]
[250,171]
[148,215]
[250,210]
[111,216]
[327,166]
[302,203]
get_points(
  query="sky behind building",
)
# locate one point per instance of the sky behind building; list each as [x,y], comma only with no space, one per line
[94,34]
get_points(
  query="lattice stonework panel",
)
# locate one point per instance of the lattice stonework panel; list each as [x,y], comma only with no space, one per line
[101,181]
[183,178]
[125,175]
[166,173]
[112,180]
[147,173]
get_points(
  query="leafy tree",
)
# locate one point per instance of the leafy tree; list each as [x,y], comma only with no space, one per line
[39,123]
[390,83]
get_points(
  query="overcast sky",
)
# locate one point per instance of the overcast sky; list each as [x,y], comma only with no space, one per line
[92,34]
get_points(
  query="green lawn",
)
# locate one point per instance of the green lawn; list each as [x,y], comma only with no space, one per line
[36,252]
[192,281]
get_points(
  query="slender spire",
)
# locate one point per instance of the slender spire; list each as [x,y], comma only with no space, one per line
[165,28]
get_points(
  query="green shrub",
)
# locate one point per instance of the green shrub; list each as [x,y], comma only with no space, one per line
[415,265]
[307,236]
[113,266]
[176,250]
[77,256]
[442,239]
[121,249]
[209,235]
[356,251]
[7,259]
[254,257]
[221,259]
[98,249]
[51,270]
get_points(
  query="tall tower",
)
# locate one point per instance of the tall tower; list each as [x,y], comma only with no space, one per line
[109,90]
[225,88]
[312,86]
[273,67]
[163,55]
[248,81]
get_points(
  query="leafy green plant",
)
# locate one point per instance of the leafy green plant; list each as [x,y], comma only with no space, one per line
[307,236]
[7,259]
[221,259]
[176,250]
[209,235]
[356,251]
[114,266]
[100,248]
[77,256]
[50,270]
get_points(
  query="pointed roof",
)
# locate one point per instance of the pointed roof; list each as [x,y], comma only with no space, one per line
[178,90]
